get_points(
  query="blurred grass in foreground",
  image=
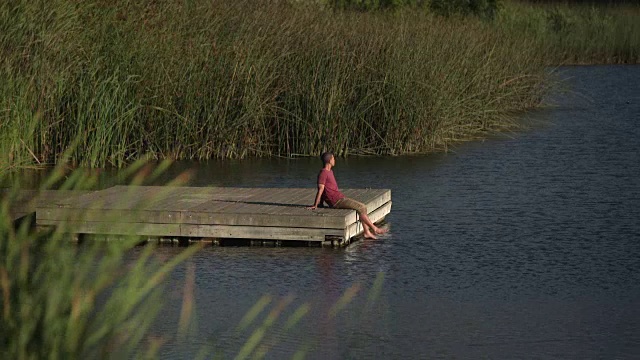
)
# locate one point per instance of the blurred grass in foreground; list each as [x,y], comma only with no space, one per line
[60,300]
[98,299]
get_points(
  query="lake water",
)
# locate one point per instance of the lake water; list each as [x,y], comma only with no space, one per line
[521,246]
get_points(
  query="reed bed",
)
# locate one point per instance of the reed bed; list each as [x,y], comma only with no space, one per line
[577,33]
[200,79]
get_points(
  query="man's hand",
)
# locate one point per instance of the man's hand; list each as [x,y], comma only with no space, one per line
[318,200]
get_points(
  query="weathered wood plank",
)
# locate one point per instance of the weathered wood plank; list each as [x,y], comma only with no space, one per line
[96,198]
[158,198]
[85,201]
[109,215]
[295,200]
[291,200]
[273,196]
[314,219]
[257,232]
[146,229]
[166,200]
[25,202]
[220,203]
[198,197]
[124,197]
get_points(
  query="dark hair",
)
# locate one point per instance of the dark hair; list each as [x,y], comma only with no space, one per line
[326,157]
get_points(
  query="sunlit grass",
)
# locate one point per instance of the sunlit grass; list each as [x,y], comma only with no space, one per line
[230,79]
[200,80]
[577,33]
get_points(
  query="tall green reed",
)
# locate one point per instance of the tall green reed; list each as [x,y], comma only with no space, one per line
[59,300]
[577,33]
[199,80]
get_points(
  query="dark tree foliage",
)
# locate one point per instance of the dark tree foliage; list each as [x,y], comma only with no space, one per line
[374,4]
[587,2]
[482,8]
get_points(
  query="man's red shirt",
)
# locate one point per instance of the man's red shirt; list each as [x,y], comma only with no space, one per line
[331,194]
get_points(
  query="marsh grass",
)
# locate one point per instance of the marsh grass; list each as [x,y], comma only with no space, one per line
[200,80]
[230,79]
[59,300]
[575,33]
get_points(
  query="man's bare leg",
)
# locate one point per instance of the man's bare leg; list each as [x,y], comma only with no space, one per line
[370,229]
[369,226]
[367,232]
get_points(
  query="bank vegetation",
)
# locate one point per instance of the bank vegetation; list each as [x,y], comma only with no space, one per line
[118,81]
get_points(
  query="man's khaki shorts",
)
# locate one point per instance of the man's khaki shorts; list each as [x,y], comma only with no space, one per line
[347,203]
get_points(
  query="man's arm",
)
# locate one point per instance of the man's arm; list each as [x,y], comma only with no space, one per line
[318,197]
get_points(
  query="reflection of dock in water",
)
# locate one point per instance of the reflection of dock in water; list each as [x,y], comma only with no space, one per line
[262,215]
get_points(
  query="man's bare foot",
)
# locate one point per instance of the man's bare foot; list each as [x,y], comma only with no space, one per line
[369,235]
[379,230]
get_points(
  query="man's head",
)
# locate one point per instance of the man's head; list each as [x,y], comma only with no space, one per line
[327,158]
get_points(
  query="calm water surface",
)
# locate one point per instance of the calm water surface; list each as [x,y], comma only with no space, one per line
[525,246]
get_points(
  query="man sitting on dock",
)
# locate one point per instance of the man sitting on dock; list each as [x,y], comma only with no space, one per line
[328,192]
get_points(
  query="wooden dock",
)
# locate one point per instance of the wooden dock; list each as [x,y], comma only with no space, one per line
[25,202]
[272,214]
